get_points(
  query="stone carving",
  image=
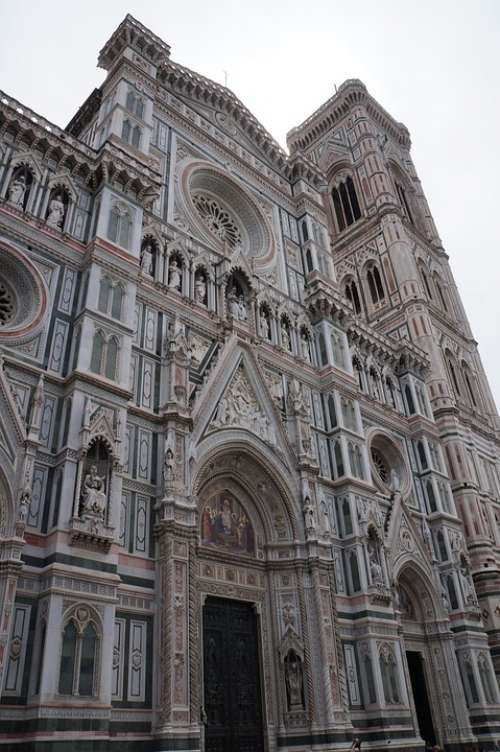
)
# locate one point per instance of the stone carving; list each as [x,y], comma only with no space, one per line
[308,512]
[94,493]
[239,407]
[236,305]
[305,347]
[264,325]
[147,260]
[375,567]
[200,289]
[288,614]
[294,681]
[174,275]
[17,190]
[56,211]
[24,505]
[168,470]
[285,336]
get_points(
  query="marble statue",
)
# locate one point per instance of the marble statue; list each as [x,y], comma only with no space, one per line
[200,290]
[294,680]
[265,328]
[56,211]
[94,496]
[285,336]
[174,279]
[17,190]
[147,260]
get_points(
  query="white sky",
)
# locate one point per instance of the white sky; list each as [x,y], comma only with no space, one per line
[433,64]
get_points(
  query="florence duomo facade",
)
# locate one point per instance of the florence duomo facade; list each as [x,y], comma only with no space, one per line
[249,458]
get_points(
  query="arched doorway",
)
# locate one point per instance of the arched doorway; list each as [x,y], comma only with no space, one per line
[246,674]
[428,681]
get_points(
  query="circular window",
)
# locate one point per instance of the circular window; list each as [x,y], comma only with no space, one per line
[7,307]
[226,213]
[23,296]
[218,219]
[380,464]
[389,468]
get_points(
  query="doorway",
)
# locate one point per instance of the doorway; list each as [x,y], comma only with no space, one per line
[232,687]
[421,696]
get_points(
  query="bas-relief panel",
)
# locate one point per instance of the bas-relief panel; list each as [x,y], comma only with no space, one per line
[226,525]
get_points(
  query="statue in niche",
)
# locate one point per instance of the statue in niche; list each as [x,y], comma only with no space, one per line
[56,211]
[147,260]
[375,567]
[294,681]
[308,515]
[395,483]
[200,289]
[285,336]
[174,276]
[17,190]
[306,352]
[242,309]
[94,493]
[168,468]
[233,303]
[24,505]
[326,516]
[467,588]
[265,328]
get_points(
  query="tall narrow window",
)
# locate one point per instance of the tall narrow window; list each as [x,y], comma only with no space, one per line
[136,136]
[471,681]
[422,456]
[346,204]
[305,232]
[426,284]
[346,514]
[469,385]
[111,358]
[452,593]
[356,582]
[409,400]
[87,661]
[104,291]
[337,205]
[370,682]
[440,293]
[126,129]
[404,202]
[351,293]
[331,411]
[338,460]
[431,496]
[68,655]
[116,307]
[353,198]
[344,197]
[443,553]
[378,283]
[97,352]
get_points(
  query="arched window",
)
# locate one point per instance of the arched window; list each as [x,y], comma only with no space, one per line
[443,553]
[468,384]
[440,292]
[119,225]
[375,285]
[345,204]
[453,375]
[117,300]
[354,566]
[104,292]
[351,293]
[370,681]
[409,400]
[339,462]
[68,656]
[77,673]
[452,593]
[97,353]
[87,660]
[346,514]
[135,104]
[111,358]
[485,676]
[431,496]
[136,136]
[404,202]
[422,456]
[426,283]
[332,413]
[126,130]
[471,680]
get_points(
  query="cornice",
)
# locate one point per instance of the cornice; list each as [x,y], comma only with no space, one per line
[351,93]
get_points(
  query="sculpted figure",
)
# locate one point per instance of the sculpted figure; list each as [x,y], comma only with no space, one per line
[147,259]
[294,680]
[233,304]
[308,515]
[174,280]
[375,568]
[24,504]
[200,290]
[168,468]
[306,353]
[56,211]
[94,496]
[17,189]
[265,329]
[242,309]
[285,336]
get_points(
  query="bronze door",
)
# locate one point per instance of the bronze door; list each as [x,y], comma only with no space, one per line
[231,676]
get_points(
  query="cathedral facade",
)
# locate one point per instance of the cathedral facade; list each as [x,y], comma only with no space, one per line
[249,457]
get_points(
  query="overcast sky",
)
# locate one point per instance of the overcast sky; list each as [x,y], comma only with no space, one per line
[433,65]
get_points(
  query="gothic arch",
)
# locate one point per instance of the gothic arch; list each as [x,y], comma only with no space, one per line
[426,601]
[258,473]
[7,504]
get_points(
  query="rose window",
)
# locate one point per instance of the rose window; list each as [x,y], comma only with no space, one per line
[7,309]
[380,465]
[217,219]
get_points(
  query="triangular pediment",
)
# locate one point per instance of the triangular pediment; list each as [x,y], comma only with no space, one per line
[236,397]
[404,539]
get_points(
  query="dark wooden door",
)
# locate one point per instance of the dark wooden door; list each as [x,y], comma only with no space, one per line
[231,676]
